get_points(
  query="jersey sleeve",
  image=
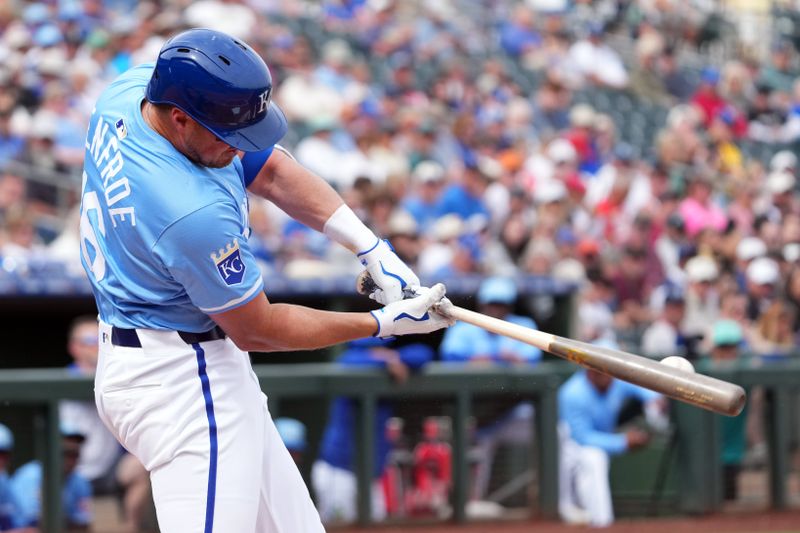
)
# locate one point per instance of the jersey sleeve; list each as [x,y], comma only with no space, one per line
[206,252]
[576,414]
[252,163]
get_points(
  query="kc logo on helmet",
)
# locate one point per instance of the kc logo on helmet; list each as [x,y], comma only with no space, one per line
[264,100]
[229,263]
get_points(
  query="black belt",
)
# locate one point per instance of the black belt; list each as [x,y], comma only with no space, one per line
[130,339]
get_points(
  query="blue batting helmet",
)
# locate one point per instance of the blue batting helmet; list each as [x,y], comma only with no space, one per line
[221,83]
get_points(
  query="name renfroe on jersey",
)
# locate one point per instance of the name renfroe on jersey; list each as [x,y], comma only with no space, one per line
[108,159]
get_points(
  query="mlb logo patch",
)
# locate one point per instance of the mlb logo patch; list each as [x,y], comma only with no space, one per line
[229,263]
[122,130]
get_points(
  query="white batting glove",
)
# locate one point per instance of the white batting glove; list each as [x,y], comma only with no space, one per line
[414,315]
[389,273]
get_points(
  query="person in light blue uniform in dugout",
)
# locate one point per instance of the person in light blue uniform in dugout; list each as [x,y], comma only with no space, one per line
[589,405]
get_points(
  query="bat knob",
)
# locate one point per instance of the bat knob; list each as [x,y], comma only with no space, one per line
[365,284]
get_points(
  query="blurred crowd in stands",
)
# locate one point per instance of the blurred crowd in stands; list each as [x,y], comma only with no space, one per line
[642,149]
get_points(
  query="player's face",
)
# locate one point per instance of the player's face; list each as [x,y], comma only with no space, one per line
[205,148]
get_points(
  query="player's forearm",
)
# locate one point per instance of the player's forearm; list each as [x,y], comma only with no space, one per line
[296,190]
[292,327]
[308,198]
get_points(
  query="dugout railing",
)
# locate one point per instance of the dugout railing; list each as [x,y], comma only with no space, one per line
[698,436]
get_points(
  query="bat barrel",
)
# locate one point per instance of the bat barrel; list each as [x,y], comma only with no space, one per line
[703,391]
[697,389]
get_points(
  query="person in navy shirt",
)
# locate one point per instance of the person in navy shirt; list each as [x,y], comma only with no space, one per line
[333,474]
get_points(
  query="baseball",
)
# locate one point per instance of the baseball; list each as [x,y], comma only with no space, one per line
[678,362]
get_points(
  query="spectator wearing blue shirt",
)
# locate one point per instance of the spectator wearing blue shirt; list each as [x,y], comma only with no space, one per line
[11,144]
[428,178]
[589,406]
[76,493]
[332,475]
[464,343]
[465,199]
[518,35]
[9,504]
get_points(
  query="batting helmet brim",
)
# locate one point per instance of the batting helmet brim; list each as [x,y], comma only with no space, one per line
[259,136]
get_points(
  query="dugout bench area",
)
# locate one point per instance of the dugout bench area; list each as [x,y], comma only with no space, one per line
[454,389]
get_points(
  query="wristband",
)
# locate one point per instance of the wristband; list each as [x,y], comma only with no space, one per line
[346,228]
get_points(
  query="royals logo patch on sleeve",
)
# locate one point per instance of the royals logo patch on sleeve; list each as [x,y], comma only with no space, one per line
[229,263]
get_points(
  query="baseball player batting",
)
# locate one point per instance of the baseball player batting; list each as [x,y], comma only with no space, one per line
[172,150]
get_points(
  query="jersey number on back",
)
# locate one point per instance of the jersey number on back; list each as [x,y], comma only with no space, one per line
[89,232]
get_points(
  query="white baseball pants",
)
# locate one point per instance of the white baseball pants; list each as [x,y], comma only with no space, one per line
[195,416]
[583,485]
[336,490]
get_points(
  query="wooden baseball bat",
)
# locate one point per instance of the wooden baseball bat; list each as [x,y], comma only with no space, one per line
[696,389]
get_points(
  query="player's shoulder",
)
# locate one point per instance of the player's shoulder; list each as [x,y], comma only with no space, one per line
[133,79]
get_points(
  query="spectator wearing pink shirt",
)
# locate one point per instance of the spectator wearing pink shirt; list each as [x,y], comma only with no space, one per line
[698,211]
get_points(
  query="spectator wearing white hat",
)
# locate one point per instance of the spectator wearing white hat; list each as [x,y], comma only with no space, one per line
[582,135]
[427,179]
[747,250]
[763,275]
[445,254]
[702,296]
[403,232]
[781,187]
[783,161]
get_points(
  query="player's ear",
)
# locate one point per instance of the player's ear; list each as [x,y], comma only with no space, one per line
[179,118]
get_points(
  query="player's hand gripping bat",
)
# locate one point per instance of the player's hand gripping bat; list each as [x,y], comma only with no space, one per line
[697,389]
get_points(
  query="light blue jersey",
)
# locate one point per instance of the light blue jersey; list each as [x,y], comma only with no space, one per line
[163,240]
[463,342]
[592,415]
[76,496]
